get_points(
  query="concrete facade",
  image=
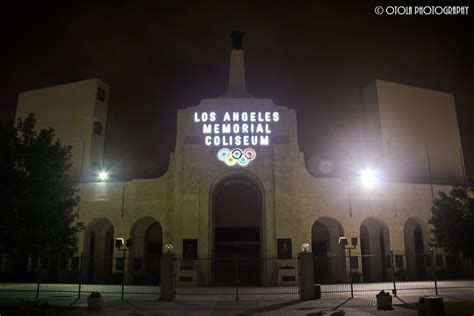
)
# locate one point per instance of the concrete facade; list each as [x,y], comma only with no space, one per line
[408,125]
[294,204]
[78,112]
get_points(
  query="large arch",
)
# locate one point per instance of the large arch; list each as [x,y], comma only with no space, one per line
[237,234]
[145,255]
[416,235]
[98,251]
[375,250]
[328,256]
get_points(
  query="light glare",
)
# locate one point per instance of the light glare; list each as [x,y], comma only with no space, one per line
[103,176]
[368,177]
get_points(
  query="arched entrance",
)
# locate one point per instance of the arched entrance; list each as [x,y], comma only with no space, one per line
[416,235]
[375,250]
[145,255]
[328,255]
[237,230]
[99,251]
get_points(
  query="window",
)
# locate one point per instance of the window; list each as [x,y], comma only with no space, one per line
[399,261]
[388,262]
[97,127]
[190,249]
[101,94]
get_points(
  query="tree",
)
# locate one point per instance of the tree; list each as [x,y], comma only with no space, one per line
[38,198]
[453,220]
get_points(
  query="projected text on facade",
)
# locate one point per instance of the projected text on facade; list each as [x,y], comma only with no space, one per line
[236,128]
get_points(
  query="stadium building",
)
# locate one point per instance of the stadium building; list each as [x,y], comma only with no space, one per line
[237,185]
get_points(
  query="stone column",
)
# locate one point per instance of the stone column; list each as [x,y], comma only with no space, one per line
[167,286]
[305,275]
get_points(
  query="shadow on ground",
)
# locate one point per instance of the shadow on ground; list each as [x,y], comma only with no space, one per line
[269,308]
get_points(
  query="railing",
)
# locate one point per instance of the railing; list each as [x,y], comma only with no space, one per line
[421,273]
[237,278]
[57,276]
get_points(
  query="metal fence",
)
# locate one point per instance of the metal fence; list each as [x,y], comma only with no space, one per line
[421,273]
[237,278]
[57,276]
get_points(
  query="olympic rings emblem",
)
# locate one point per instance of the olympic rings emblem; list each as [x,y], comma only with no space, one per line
[236,156]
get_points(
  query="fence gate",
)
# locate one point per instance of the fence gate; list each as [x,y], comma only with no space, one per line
[237,278]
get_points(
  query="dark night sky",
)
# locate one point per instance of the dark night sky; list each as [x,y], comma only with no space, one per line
[311,56]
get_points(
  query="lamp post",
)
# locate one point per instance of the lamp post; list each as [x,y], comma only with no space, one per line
[128,246]
[343,242]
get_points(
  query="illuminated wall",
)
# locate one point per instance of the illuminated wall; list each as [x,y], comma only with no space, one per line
[402,121]
[238,136]
[78,113]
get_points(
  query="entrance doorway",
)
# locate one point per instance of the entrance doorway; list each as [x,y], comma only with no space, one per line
[99,250]
[328,256]
[416,233]
[375,250]
[237,217]
[145,255]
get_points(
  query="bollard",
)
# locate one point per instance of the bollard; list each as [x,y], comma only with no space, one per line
[167,286]
[305,275]
[317,291]
[430,306]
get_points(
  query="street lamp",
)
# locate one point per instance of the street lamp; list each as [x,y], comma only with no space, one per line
[169,248]
[128,246]
[305,247]
[343,241]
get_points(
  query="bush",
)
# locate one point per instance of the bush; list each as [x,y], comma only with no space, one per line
[355,276]
[401,274]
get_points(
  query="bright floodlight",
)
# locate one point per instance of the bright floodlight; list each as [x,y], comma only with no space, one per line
[103,176]
[368,177]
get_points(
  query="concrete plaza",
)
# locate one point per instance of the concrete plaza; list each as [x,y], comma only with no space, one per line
[221,300]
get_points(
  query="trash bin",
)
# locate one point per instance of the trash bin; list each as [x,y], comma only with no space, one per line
[28,308]
[317,291]
[384,300]
[430,306]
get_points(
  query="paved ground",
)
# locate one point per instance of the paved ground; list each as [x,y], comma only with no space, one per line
[221,301]
[339,307]
[331,306]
